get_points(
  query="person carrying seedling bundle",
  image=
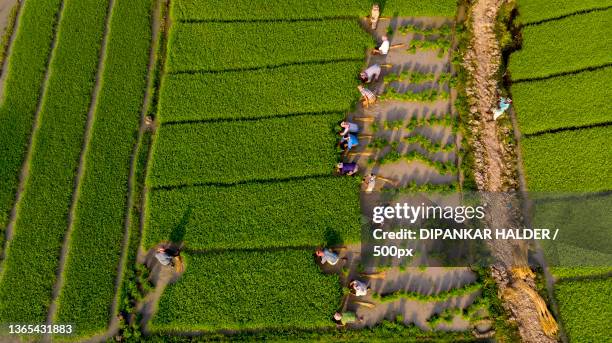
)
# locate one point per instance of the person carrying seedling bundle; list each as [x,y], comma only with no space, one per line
[346,168]
[371,73]
[348,127]
[367,96]
[383,49]
[358,288]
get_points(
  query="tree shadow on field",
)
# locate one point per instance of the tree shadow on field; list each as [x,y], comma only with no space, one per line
[333,238]
[177,235]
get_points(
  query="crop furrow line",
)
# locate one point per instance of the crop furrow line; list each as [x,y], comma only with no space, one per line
[260,249]
[81,167]
[567,128]
[245,182]
[25,168]
[248,119]
[565,73]
[573,197]
[590,10]
[267,67]
[279,20]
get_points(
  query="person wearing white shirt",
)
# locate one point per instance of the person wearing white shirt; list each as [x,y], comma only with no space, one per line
[383,49]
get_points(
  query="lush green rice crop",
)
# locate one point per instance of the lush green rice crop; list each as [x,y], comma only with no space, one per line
[420,8]
[565,101]
[219,46]
[571,161]
[264,10]
[95,247]
[585,309]
[313,9]
[583,222]
[280,214]
[26,71]
[537,10]
[259,93]
[564,45]
[237,151]
[249,290]
[32,256]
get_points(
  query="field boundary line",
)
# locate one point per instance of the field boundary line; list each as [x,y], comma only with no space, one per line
[25,167]
[59,283]
[9,49]
[266,67]
[231,120]
[146,104]
[194,251]
[244,182]
[584,11]
[584,278]
[275,20]
[567,128]
[561,74]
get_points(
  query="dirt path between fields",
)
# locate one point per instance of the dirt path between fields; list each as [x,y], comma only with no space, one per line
[59,284]
[495,171]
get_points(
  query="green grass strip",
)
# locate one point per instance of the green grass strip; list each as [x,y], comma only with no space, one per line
[537,10]
[259,93]
[98,230]
[221,46]
[26,71]
[585,309]
[280,214]
[572,161]
[32,257]
[566,101]
[565,45]
[229,152]
[249,290]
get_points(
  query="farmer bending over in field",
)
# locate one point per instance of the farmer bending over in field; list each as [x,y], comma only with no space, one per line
[346,168]
[348,142]
[370,182]
[383,49]
[358,288]
[367,96]
[328,256]
[348,127]
[372,73]
[165,256]
[348,317]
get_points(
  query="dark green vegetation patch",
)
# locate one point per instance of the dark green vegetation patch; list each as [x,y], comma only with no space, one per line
[249,290]
[565,101]
[222,46]
[229,152]
[570,161]
[537,10]
[564,45]
[585,309]
[259,93]
[281,214]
